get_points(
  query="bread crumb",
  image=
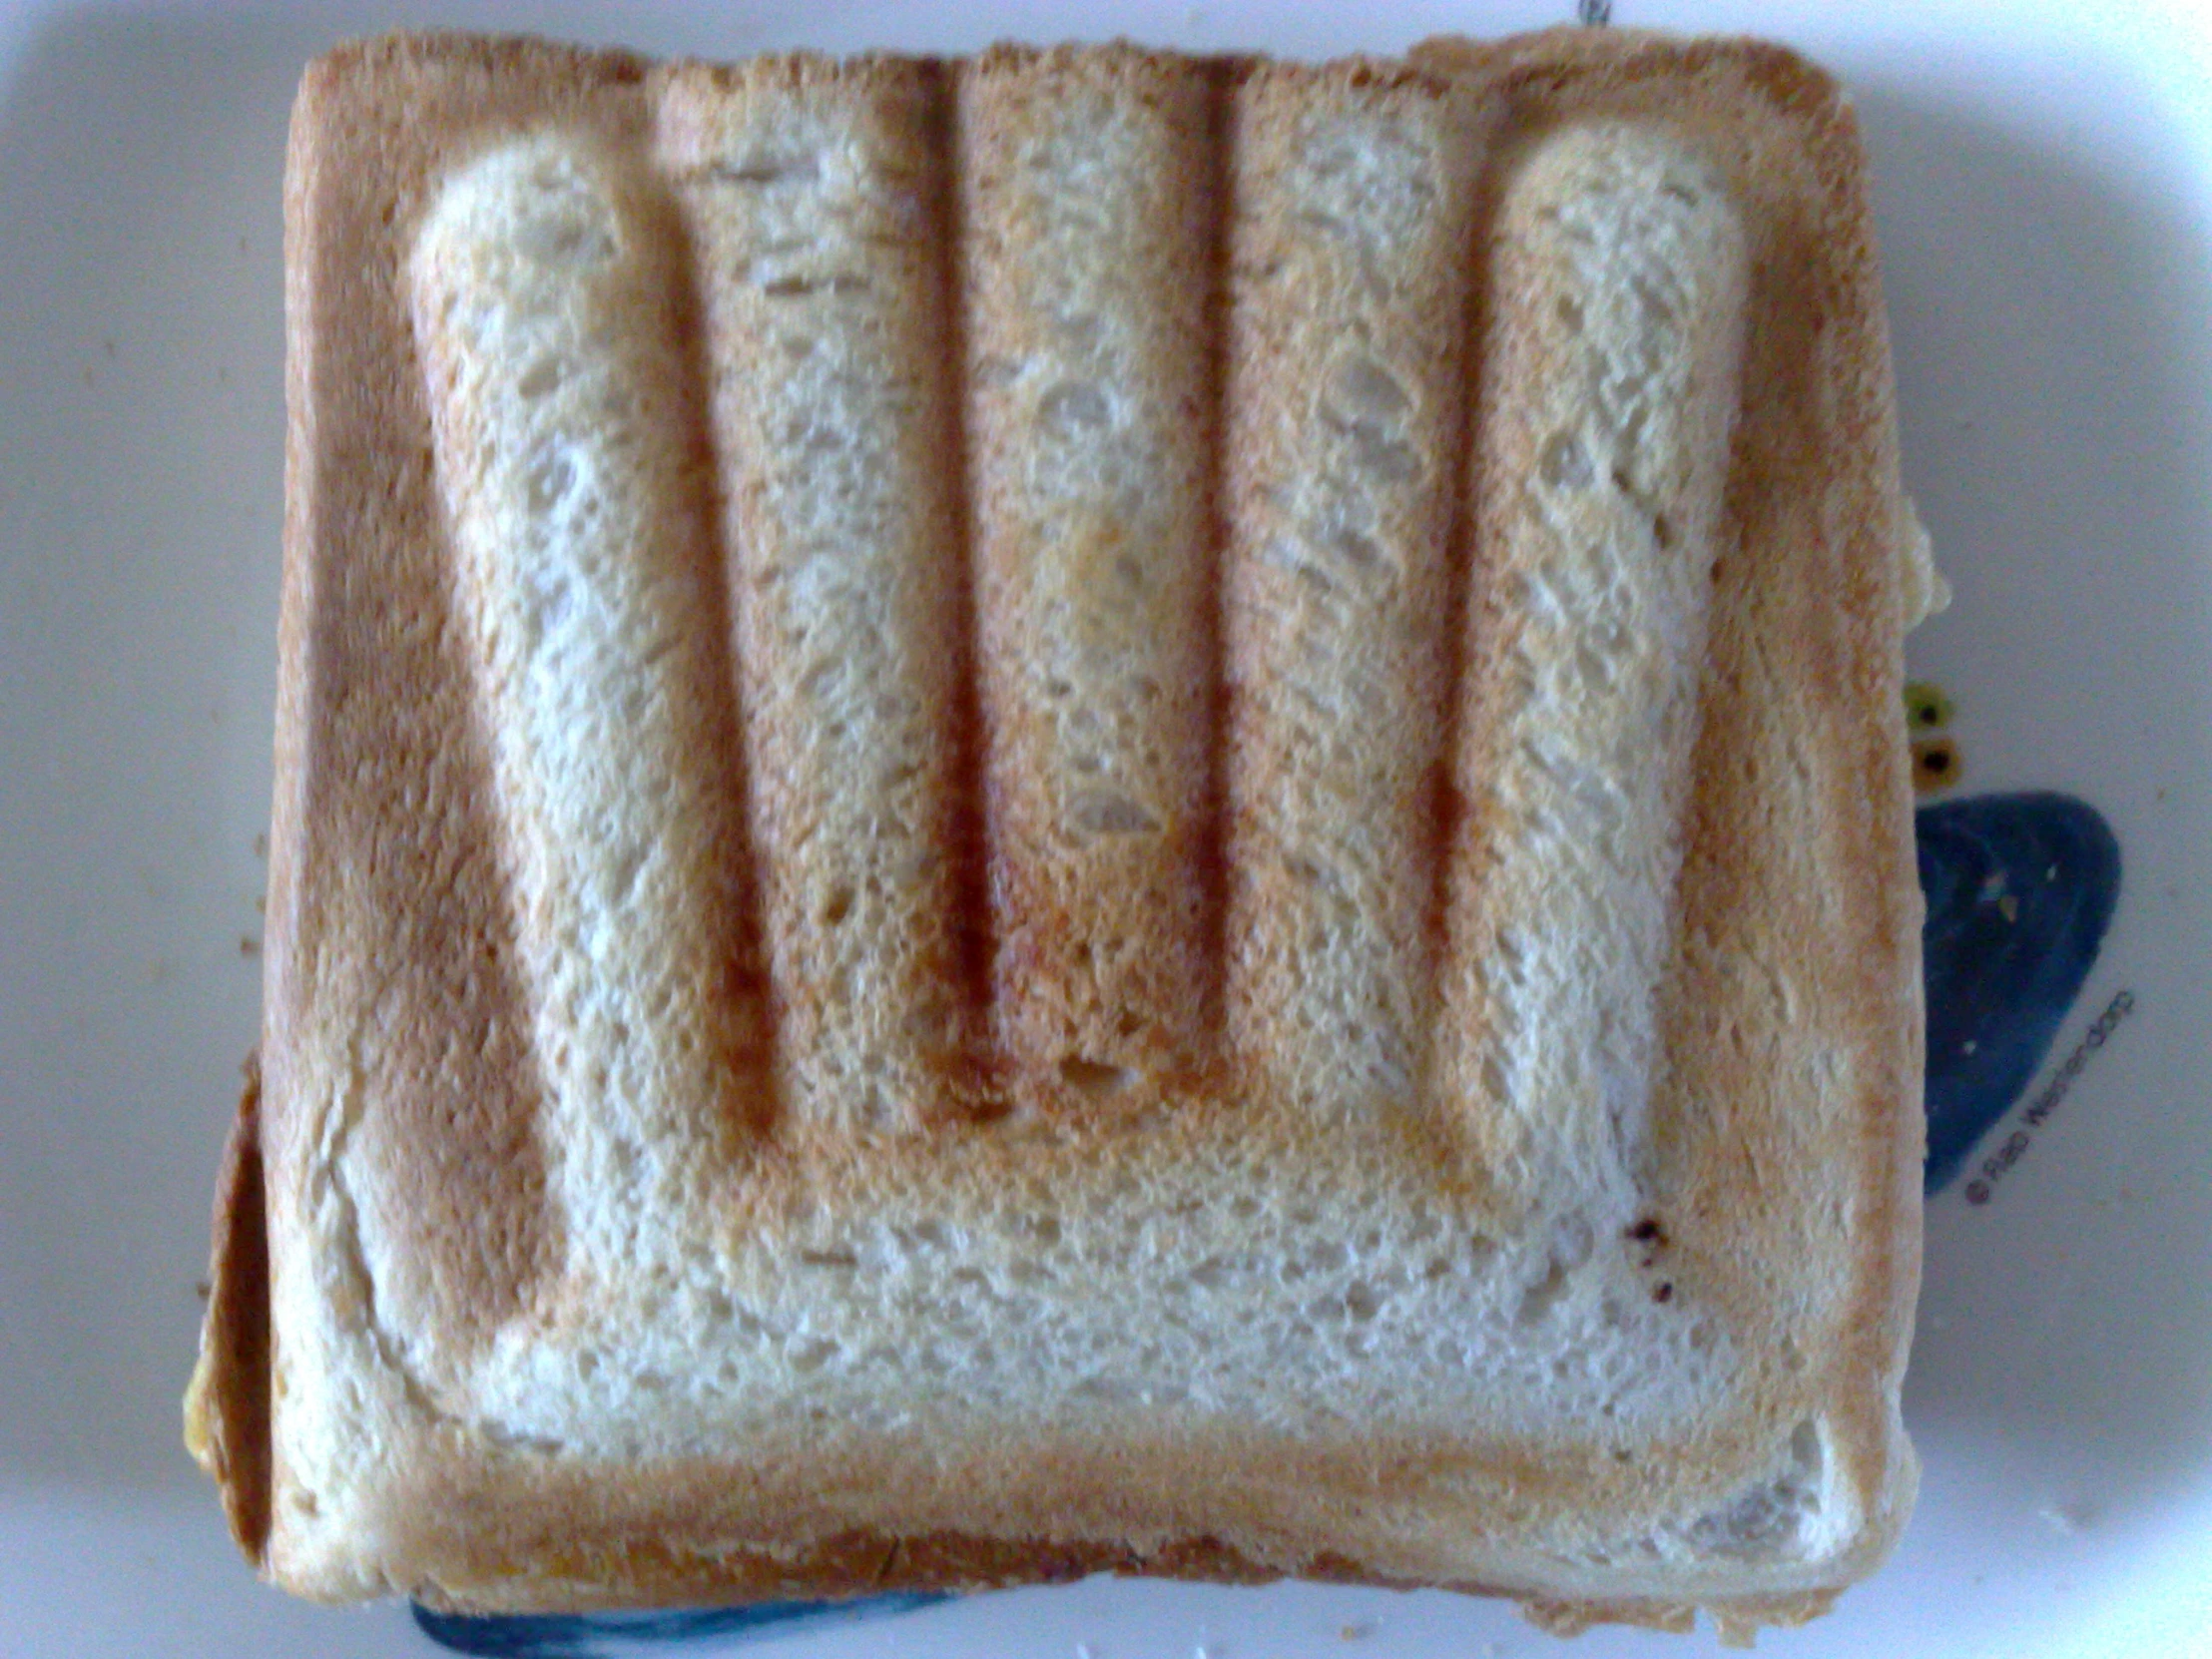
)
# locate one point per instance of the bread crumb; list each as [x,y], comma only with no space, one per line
[1356,1632]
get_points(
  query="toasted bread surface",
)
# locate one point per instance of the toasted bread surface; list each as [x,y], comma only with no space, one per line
[1083,810]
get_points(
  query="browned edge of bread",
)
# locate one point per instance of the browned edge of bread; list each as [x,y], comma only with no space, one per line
[226,1406]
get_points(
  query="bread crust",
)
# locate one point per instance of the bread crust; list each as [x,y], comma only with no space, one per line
[226,1404]
[412,1242]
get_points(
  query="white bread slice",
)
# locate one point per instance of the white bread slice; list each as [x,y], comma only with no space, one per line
[1449,1117]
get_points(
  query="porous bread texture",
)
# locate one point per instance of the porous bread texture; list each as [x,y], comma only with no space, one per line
[1615,369]
[1445,1118]
[1089,296]
[518,279]
[1349,273]
[542,306]
[833,401]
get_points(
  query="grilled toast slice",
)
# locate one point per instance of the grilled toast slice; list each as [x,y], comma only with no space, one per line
[1082,809]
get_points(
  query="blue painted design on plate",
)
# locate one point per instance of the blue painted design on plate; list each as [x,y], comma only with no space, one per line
[609,1635]
[2019,888]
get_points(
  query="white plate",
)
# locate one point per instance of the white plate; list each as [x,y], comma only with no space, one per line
[2044,183]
